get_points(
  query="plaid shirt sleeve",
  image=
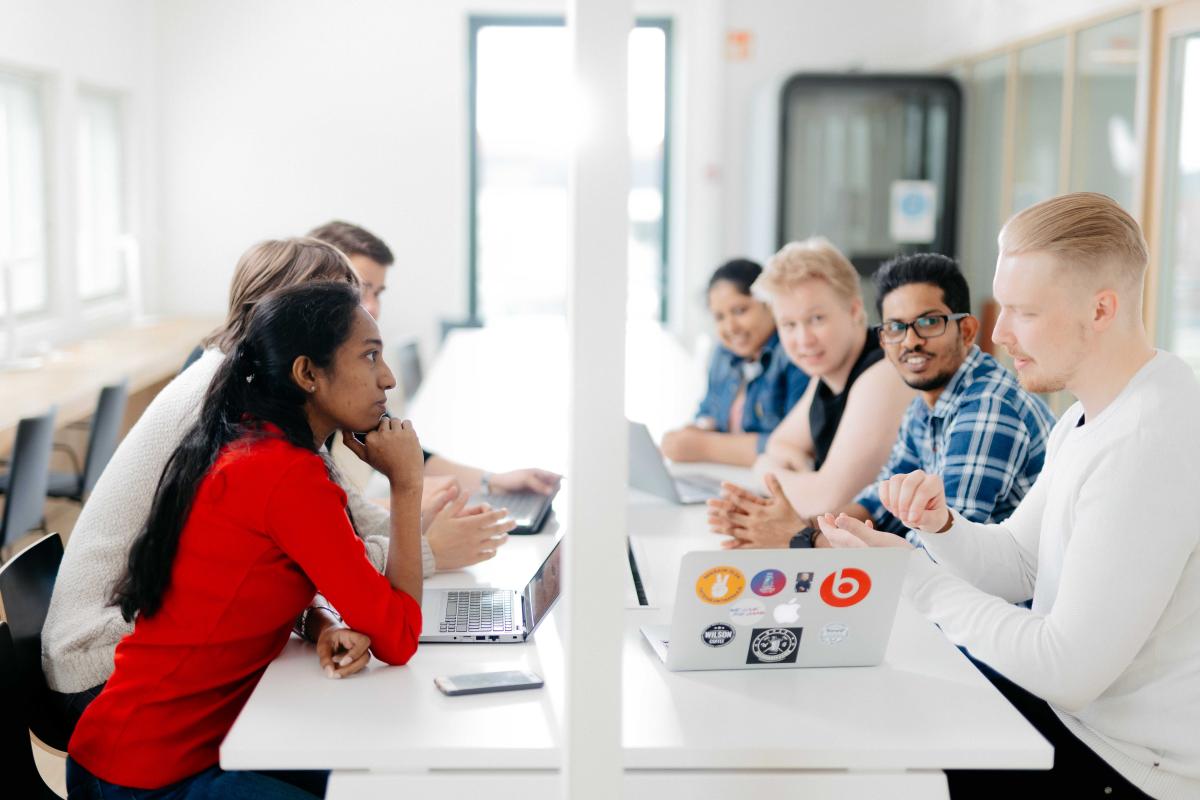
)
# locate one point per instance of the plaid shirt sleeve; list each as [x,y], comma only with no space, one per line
[986,448]
[903,459]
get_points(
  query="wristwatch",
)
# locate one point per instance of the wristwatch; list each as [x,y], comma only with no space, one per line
[485,483]
[804,538]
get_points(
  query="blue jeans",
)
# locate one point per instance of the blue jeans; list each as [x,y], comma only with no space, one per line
[211,784]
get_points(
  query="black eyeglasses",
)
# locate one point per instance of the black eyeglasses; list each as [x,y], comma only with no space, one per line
[929,326]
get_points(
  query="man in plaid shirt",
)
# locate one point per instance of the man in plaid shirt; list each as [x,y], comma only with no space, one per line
[971,422]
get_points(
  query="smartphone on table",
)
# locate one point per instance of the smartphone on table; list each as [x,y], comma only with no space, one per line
[480,682]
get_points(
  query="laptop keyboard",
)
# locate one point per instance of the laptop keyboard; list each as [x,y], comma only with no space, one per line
[478,611]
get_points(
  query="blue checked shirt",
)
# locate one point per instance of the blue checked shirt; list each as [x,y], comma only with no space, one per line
[770,395]
[985,436]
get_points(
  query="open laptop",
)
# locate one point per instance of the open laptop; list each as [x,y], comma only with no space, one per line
[530,510]
[492,615]
[648,472]
[774,609]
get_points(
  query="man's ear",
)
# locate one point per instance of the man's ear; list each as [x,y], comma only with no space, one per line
[969,328]
[1105,306]
[304,374]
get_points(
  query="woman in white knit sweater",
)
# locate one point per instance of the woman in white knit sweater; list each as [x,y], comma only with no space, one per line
[1106,664]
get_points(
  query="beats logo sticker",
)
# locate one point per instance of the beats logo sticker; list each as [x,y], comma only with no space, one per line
[845,587]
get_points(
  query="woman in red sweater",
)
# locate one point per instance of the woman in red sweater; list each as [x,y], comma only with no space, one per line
[245,526]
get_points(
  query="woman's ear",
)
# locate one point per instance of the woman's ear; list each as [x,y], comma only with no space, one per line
[304,374]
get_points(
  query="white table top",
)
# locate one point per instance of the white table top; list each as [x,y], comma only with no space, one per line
[925,707]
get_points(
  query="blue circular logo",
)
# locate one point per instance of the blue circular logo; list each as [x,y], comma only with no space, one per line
[768,582]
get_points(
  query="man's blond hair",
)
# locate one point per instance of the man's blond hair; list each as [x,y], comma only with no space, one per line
[813,258]
[1088,232]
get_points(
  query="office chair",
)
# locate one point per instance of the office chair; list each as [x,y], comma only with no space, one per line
[21,776]
[102,442]
[26,483]
[26,584]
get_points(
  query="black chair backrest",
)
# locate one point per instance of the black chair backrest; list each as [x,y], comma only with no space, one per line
[21,777]
[408,368]
[29,477]
[26,584]
[102,439]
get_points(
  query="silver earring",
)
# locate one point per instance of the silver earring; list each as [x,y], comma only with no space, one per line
[312,388]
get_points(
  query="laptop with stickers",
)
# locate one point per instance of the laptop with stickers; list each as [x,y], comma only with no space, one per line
[773,609]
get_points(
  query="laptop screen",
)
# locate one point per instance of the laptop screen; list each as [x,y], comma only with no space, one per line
[545,586]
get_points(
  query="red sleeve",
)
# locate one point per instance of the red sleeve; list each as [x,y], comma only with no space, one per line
[306,516]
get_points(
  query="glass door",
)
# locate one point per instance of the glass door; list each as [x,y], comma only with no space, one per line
[1178,239]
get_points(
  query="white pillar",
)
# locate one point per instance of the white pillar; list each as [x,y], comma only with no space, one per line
[597,439]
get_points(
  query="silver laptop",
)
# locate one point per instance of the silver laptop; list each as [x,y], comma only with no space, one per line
[492,615]
[774,609]
[648,472]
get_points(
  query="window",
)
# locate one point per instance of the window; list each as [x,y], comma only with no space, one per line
[520,139]
[100,238]
[22,196]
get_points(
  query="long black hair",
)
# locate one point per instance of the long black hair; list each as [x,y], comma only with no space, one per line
[253,385]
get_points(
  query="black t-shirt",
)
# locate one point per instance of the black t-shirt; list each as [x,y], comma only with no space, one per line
[827,408]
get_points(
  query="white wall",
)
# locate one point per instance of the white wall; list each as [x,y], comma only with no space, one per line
[106,44]
[277,115]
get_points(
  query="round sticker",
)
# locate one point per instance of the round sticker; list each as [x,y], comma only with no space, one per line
[845,587]
[834,632]
[773,646]
[720,585]
[718,635]
[768,582]
[746,612]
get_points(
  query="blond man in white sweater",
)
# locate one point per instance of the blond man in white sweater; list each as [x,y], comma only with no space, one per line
[1107,662]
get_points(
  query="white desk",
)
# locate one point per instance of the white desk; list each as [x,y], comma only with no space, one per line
[866,732]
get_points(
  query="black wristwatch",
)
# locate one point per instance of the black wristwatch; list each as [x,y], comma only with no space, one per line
[804,538]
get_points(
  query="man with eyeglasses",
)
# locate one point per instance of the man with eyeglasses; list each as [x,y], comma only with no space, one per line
[971,422]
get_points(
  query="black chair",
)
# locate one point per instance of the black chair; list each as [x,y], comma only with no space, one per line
[26,583]
[408,368]
[26,484]
[102,443]
[21,777]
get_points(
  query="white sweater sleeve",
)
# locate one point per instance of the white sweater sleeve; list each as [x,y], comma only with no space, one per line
[998,559]
[1120,569]
[374,526]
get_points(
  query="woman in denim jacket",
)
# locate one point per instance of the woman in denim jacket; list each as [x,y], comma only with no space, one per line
[751,383]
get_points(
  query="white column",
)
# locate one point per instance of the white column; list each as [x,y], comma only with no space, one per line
[597,440]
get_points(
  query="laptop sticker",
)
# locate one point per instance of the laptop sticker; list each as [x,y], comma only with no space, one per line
[746,612]
[834,632]
[846,587]
[718,635]
[804,581]
[768,582]
[774,646]
[720,585]
[787,613]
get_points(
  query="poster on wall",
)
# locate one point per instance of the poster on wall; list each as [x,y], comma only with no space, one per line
[913,212]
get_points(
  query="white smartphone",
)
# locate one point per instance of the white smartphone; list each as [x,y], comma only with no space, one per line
[479,682]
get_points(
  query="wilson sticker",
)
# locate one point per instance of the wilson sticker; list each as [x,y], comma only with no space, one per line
[768,582]
[846,587]
[718,635]
[720,585]
[774,645]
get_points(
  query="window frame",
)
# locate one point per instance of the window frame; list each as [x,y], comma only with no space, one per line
[121,102]
[40,82]
[477,23]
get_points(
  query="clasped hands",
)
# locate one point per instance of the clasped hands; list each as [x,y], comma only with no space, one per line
[917,499]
